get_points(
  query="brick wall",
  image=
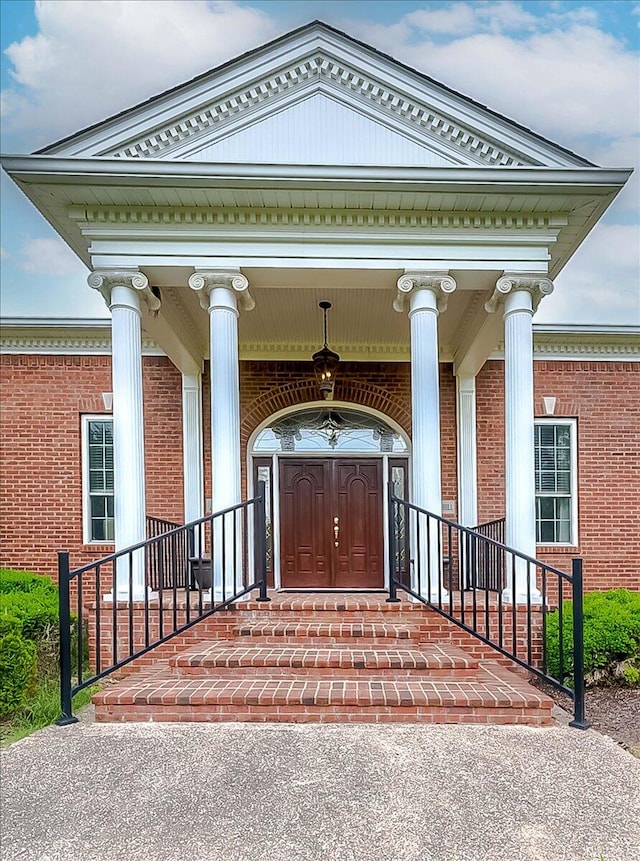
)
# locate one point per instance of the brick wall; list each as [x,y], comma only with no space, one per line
[604,398]
[43,400]
[266,387]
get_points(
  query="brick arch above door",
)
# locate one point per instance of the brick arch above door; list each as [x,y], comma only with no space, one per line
[357,384]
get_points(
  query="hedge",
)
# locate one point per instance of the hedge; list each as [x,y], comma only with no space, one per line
[28,604]
[18,672]
[611,634]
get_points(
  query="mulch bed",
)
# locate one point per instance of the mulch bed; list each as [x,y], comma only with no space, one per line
[614,711]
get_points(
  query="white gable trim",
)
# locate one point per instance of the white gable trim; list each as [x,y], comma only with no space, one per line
[316,52]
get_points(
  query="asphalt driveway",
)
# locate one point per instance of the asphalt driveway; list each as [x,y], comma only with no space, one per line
[310,793]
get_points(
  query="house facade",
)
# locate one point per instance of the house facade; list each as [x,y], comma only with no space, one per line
[216,220]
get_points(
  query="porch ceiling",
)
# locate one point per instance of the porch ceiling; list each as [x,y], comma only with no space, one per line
[287,323]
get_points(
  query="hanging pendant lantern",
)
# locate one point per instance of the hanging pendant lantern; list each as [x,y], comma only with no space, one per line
[325,361]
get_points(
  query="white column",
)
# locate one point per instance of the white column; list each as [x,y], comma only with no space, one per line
[428,292]
[221,292]
[520,296]
[192,446]
[123,291]
[467,451]
[192,455]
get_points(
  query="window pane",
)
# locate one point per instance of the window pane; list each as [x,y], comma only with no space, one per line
[100,479]
[553,482]
[98,530]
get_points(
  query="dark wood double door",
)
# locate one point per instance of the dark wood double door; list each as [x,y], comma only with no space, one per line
[331,523]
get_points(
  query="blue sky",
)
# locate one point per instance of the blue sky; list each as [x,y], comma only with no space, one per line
[569,70]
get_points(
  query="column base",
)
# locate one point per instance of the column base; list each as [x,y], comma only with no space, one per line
[521,598]
[137,596]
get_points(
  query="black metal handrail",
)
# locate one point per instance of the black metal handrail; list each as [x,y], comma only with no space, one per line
[175,556]
[439,546]
[488,572]
[229,552]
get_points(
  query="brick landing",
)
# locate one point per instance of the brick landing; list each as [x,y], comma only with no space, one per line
[324,658]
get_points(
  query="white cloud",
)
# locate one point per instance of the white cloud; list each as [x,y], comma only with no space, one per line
[92,58]
[600,284]
[50,256]
[566,83]
[4,254]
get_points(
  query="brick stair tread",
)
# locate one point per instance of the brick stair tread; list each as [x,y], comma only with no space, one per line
[280,628]
[489,691]
[427,657]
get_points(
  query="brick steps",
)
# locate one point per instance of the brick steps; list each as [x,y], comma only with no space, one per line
[344,661]
[312,658]
[275,631]
[407,700]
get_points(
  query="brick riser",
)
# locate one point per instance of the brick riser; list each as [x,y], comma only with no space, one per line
[332,664]
[433,627]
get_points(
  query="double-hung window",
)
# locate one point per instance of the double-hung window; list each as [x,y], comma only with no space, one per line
[556,481]
[97,478]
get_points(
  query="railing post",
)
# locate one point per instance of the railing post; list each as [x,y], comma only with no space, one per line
[64,615]
[579,719]
[393,589]
[260,540]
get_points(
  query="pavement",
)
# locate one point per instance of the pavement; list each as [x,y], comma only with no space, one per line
[234,792]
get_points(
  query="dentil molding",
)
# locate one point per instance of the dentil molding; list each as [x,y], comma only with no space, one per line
[537,286]
[119,216]
[335,75]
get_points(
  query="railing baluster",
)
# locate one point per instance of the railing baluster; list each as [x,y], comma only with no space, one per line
[500,623]
[64,619]
[80,643]
[514,608]
[174,588]
[450,566]
[419,557]
[130,557]
[543,586]
[560,633]
[114,611]
[98,619]
[529,612]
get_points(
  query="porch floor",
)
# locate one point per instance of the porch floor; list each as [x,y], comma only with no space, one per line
[325,658]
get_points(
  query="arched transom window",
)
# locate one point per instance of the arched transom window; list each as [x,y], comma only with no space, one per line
[329,429]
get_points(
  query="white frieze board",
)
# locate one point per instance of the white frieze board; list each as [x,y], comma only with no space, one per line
[305,97]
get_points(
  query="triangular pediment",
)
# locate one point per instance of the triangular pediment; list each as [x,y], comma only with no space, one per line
[316,96]
[321,130]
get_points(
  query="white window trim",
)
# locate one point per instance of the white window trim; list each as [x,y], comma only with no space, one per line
[572,424]
[86,500]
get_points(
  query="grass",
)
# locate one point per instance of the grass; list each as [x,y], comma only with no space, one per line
[42,709]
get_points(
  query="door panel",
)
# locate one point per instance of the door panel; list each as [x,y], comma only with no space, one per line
[358,490]
[313,493]
[305,553]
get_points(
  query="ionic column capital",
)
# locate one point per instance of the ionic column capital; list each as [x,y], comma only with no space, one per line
[203,281]
[106,280]
[440,283]
[536,285]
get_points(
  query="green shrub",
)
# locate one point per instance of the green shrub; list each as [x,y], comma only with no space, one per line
[25,581]
[631,676]
[36,611]
[611,633]
[18,672]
